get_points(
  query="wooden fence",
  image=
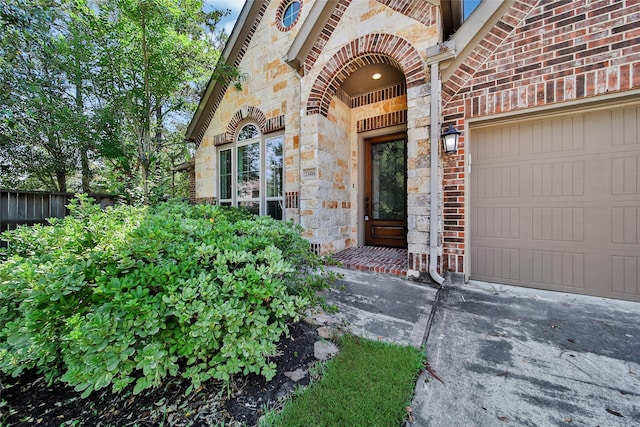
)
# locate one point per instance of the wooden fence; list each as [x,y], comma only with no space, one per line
[34,207]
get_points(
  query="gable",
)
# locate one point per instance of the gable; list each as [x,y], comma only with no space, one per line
[540,52]
[325,18]
[233,54]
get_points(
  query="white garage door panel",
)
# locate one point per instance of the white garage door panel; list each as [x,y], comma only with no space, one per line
[555,203]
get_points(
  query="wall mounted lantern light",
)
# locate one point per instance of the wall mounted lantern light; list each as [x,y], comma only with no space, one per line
[450,139]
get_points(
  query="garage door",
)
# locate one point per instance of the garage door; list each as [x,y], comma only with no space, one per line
[555,203]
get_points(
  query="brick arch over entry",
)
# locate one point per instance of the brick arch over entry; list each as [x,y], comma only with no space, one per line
[242,114]
[370,49]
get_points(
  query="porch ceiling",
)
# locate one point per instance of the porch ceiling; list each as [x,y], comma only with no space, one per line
[361,81]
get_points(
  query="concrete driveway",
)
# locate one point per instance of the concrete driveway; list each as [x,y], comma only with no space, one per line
[506,355]
[525,357]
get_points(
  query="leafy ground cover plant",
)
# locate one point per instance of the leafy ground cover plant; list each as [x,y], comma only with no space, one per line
[131,295]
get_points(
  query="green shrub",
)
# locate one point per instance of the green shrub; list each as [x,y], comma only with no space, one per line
[133,295]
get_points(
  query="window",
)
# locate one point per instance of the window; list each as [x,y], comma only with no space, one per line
[274,177]
[226,178]
[455,13]
[251,173]
[288,14]
[291,14]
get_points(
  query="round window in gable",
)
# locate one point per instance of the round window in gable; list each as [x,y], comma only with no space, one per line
[288,14]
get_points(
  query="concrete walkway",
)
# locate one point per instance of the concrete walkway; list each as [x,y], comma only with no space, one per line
[506,355]
[381,306]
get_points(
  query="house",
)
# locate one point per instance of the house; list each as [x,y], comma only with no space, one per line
[338,123]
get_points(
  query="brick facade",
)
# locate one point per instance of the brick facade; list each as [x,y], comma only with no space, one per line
[420,11]
[369,49]
[325,35]
[539,53]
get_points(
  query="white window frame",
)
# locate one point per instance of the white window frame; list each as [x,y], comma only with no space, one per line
[262,199]
[227,201]
[287,15]
[266,197]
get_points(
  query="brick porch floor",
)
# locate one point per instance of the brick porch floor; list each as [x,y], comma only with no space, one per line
[373,258]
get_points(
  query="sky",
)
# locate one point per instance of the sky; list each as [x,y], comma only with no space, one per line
[234,5]
[468,7]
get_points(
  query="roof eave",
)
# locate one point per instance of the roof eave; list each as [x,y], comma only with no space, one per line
[229,54]
[309,31]
[473,30]
[185,166]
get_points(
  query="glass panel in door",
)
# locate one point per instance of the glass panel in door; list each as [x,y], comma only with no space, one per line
[385,192]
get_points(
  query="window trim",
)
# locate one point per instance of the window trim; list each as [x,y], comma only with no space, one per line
[262,199]
[265,193]
[290,14]
[245,143]
[226,201]
[282,9]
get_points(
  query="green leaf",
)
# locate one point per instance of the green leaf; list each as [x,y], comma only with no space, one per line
[118,327]
[112,363]
[141,384]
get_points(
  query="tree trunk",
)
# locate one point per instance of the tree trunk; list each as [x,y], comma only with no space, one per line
[146,120]
[86,170]
[145,182]
[61,179]
[158,129]
[83,144]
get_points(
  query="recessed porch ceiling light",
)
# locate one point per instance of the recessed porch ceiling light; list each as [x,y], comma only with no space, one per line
[376,76]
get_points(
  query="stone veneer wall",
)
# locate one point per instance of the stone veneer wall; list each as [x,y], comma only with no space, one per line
[325,200]
[330,199]
[321,145]
[539,53]
[349,44]
[270,90]
[418,176]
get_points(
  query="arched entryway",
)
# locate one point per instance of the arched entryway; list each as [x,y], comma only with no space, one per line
[365,140]
[373,98]
[370,49]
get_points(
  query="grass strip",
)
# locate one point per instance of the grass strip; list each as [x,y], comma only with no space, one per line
[369,383]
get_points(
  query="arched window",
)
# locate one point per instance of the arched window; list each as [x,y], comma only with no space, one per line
[250,172]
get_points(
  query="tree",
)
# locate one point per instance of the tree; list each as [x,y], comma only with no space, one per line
[30,135]
[47,129]
[94,91]
[155,53]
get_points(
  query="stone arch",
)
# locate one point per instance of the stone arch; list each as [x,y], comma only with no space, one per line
[369,49]
[246,112]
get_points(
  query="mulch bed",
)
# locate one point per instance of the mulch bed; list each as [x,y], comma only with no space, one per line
[27,400]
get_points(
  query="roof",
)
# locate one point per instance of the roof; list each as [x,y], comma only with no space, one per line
[232,54]
[185,166]
[470,32]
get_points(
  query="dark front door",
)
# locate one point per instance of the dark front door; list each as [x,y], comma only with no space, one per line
[385,198]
